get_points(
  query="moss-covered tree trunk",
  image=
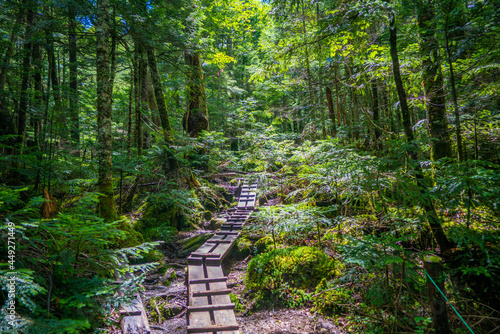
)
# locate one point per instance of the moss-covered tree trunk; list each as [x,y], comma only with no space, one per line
[25,77]
[426,201]
[331,111]
[73,76]
[376,115]
[107,208]
[195,119]
[433,82]
[138,95]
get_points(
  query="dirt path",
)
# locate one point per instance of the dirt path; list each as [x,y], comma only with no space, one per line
[270,321]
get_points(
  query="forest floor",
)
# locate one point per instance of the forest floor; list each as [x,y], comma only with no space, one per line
[268,321]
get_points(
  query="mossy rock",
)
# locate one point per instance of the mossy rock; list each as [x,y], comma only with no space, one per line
[216,223]
[301,267]
[211,206]
[330,301]
[208,215]
[191,244]
[132,237]
[153,255]
[264,244]
[166,309]
[242,248]
[163,232]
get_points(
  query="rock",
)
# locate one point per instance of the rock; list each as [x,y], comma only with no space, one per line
[242,248]
[216,223]
[191,244]
[208,215]
[171,310]
[264,244]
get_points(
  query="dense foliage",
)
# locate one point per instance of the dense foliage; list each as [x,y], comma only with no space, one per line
[372,128]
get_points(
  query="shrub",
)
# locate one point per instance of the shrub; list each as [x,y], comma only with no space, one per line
[302,267]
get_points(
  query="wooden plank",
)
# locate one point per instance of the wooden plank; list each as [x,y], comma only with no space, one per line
[211,292]
[214,307]
[220,241]
[228,233]
[202,319]
[212,328]
[216,255]
[207,280]
[136,322]
[226,317]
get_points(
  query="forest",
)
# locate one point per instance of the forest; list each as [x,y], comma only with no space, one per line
[370,127]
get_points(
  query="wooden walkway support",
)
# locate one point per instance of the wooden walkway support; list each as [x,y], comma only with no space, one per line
[210,310]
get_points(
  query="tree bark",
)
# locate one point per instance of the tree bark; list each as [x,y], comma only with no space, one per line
[433,82]
[195,119]
[22,114]
[138,96]
[130,112]
[107,208]
[454,94]
[159,97]
[38,96]
[73,77]
[427,204]
[10,49]
[376,115]
[331,111]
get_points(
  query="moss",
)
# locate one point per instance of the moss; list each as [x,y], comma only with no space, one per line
[208,215]
[238,306]
[153,255]
[131,238]
[264,244]
[163,232]
[242,248]
[331,301]
[166,310]
[302,267]
[191,244]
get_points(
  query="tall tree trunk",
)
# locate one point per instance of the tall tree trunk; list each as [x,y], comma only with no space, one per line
[160,99]
[337,94]
[130,112]
[139,137]
[331,111]
[195,119]
[38,96]
[433,82]
[113,48]
[5,62]
[22,114]
[54,79]
[107,208]
[73,77]
[449,57]
[376,112]
[312,105]
[427,204]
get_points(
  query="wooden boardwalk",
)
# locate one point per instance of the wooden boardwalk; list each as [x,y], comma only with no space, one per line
[210,310]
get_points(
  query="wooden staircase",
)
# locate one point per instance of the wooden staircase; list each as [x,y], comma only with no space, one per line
[210,310]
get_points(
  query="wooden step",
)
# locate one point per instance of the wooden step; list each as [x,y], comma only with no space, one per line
[208,280]
[213,307]
[212,328]
[211,293]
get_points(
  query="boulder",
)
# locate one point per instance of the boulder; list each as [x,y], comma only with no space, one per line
[189,245]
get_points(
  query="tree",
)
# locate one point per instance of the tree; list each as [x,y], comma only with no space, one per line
[429,208]
[195,119]
[107,208]
[433,81]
